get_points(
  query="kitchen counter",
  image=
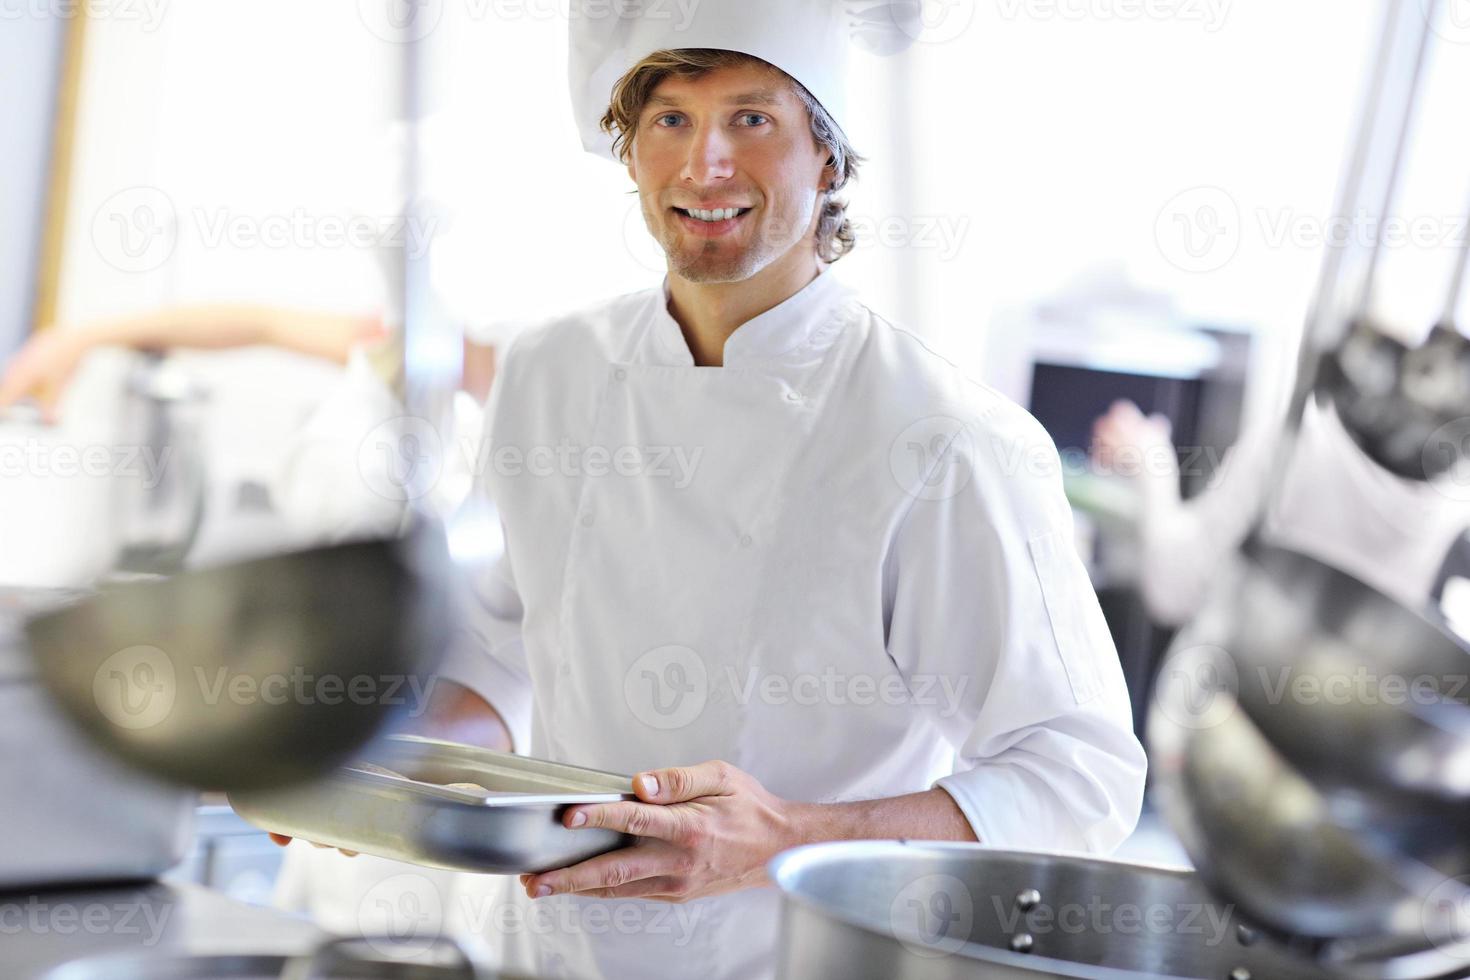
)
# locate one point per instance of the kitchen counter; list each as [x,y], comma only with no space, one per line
[43,929]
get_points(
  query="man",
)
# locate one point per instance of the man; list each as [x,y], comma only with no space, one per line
[749,520]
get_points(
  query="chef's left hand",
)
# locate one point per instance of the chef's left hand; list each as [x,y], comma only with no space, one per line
[706,829]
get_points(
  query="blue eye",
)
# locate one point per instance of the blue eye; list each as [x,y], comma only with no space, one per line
[659,120]
[758,117]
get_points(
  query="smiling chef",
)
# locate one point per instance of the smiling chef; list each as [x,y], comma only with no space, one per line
[859,591]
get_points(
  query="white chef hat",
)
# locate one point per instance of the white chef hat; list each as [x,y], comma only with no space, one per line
[807,39]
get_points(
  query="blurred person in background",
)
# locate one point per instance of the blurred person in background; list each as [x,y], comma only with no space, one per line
[1334,504]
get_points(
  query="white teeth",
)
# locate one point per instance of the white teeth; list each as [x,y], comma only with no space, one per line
[719,214]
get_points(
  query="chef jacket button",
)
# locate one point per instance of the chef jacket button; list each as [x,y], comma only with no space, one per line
[746,541]
[793,396]
[587,520]
[620,374]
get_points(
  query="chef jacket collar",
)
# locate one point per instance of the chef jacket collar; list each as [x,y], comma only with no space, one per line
[804,324]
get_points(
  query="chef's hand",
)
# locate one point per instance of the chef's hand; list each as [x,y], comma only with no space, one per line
[1129,443]
[706,829]
[43,367]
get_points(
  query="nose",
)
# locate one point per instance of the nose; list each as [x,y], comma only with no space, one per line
[710,157]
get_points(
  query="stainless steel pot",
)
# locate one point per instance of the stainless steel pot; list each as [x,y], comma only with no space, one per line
[259,674]
[884,910]
[1308,747]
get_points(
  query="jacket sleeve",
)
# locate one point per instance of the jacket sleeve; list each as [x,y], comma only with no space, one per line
[983,588]
[487,655]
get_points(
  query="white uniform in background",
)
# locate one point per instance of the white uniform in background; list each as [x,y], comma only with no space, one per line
[1336,505]
[835,562]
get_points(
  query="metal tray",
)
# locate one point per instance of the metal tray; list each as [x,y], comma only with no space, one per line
[338,959]
[515,828]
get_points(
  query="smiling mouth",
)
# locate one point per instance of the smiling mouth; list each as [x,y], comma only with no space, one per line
[715,216]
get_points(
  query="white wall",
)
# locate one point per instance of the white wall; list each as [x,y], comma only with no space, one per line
[1045,139]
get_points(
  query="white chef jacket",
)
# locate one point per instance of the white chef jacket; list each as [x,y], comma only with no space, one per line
[834,562]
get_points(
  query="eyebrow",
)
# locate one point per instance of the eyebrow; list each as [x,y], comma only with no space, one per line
[763,96]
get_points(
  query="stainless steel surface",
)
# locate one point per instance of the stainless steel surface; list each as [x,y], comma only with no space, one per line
[341,959]
[70,813]
[1347,352]
[1352,688]
[887,910]
[48,929]
[159,520]
[1303,787]
[514,829]
[1311,738]
[258,674]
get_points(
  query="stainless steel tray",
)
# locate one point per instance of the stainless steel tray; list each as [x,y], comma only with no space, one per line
[339,959]
[515,828]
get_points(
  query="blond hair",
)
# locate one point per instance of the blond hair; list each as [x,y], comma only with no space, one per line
[835,235]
